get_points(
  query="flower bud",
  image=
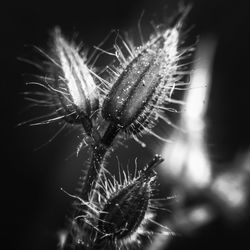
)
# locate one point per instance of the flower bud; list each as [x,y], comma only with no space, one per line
[126,209]
[145,83]
[119,211]
[74,89]
[124,212]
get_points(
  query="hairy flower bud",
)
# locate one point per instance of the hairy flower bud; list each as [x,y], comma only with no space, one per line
[126,210]
[75,91]
[144,83]
[119,213]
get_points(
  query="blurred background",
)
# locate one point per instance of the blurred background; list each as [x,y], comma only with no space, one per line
[211,211]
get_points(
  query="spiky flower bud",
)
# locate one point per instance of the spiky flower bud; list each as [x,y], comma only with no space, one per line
[144,82]
[126,210]
[75,91]
[117,216]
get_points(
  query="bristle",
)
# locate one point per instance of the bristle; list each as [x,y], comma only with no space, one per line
[145,80]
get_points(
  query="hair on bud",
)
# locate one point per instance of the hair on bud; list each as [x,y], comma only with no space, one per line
[75,92]
[69,91]
[121,211]
[143,83]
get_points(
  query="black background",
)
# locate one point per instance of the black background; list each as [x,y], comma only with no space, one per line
[33,205]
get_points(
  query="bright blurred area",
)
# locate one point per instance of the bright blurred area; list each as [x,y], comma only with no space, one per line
[206,191]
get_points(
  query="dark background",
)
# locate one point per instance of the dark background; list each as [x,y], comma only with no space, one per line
[34,208]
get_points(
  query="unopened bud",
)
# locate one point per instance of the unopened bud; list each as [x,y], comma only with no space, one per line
[125,211]
[146,82]
[75,91]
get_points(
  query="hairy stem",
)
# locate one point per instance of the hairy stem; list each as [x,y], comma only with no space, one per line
[99,150]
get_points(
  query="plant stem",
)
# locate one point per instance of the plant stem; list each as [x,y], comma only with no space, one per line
[99,150]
